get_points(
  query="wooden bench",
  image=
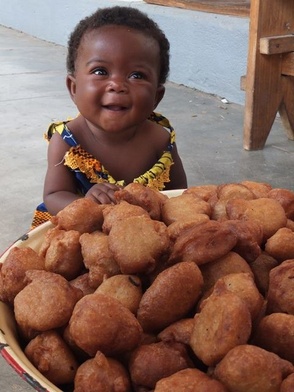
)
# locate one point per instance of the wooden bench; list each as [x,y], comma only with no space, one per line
[269,83]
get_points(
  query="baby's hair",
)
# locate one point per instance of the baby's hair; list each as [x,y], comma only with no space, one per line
[119,16]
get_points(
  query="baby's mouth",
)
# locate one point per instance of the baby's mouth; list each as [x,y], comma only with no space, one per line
[115,108]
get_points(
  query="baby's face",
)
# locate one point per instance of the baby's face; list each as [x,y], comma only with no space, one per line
[115,85]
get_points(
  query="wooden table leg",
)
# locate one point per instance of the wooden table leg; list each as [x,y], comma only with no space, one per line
[265,87]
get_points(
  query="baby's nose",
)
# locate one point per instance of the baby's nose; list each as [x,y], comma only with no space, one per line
[117,85]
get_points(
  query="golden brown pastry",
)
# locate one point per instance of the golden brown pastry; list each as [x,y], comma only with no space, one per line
[267,212]
[259,189]
[224,193]
[232,262]
[13,270]
[82,282]
[143,196]
[223,323]
[261,268]
[173,293]
[185,206]
[281,288]
[248,368]
[249,238]
[127,289]
[242,284]
[179,331]
[177,227]
[275,333]
[72,217]
[203,243]
[189,380]
[137,244]
[101,323]
[205,192]
[63,255]
[288,384]
[286,198]
[150,363]
[46,302]
[281,244]
[49,353]
[97,257]
[102,374]
[234,191]
[118,212]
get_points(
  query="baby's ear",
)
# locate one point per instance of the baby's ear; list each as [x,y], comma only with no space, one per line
[71,86]
[159,95]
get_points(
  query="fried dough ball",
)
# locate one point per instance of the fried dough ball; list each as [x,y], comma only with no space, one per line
[275,333]
[259,189]
[286,198]
[13,270]
[172,294]
[101,374]
[230,263]
[177,227]
[118,212]
[267,212]
[242,284]
[249,238]
[97,257]
[290,224]
[205,192]
[46,302]
[189,380]
[288,384]
[143,196]
[150,363]
[127,289]
[100,322]
[219,211]
[234,191]
[82,282]
[281,288]
[203,243]
[72,217]
[48,237]
[223,323]
[49,353]
[261,268]
[248,368]
[281,245]
[184,206]
[138,243]
[179,331]
[63,255]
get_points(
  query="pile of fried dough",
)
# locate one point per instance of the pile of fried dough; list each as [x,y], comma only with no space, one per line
[193,292]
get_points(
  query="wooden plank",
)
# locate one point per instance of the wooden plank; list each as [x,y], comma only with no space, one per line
[226,7]
[264,92]
[287,107]
[277,44]
[288,64]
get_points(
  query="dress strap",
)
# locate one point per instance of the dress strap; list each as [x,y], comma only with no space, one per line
[64,132]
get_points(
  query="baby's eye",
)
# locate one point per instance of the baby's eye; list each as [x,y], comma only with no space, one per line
[137,75]
[99,71]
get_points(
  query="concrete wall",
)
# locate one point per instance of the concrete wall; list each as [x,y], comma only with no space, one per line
[208,51]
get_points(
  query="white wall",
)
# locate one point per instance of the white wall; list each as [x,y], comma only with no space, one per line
[208,51]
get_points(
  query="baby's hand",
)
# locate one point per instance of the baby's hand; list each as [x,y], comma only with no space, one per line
[103,193]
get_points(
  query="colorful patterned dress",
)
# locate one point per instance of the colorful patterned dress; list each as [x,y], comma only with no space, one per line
[89,171]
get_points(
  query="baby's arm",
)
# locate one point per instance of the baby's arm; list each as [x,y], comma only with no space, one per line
[60,188]
[178,178]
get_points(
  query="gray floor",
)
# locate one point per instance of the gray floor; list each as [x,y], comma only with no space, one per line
[33,93]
